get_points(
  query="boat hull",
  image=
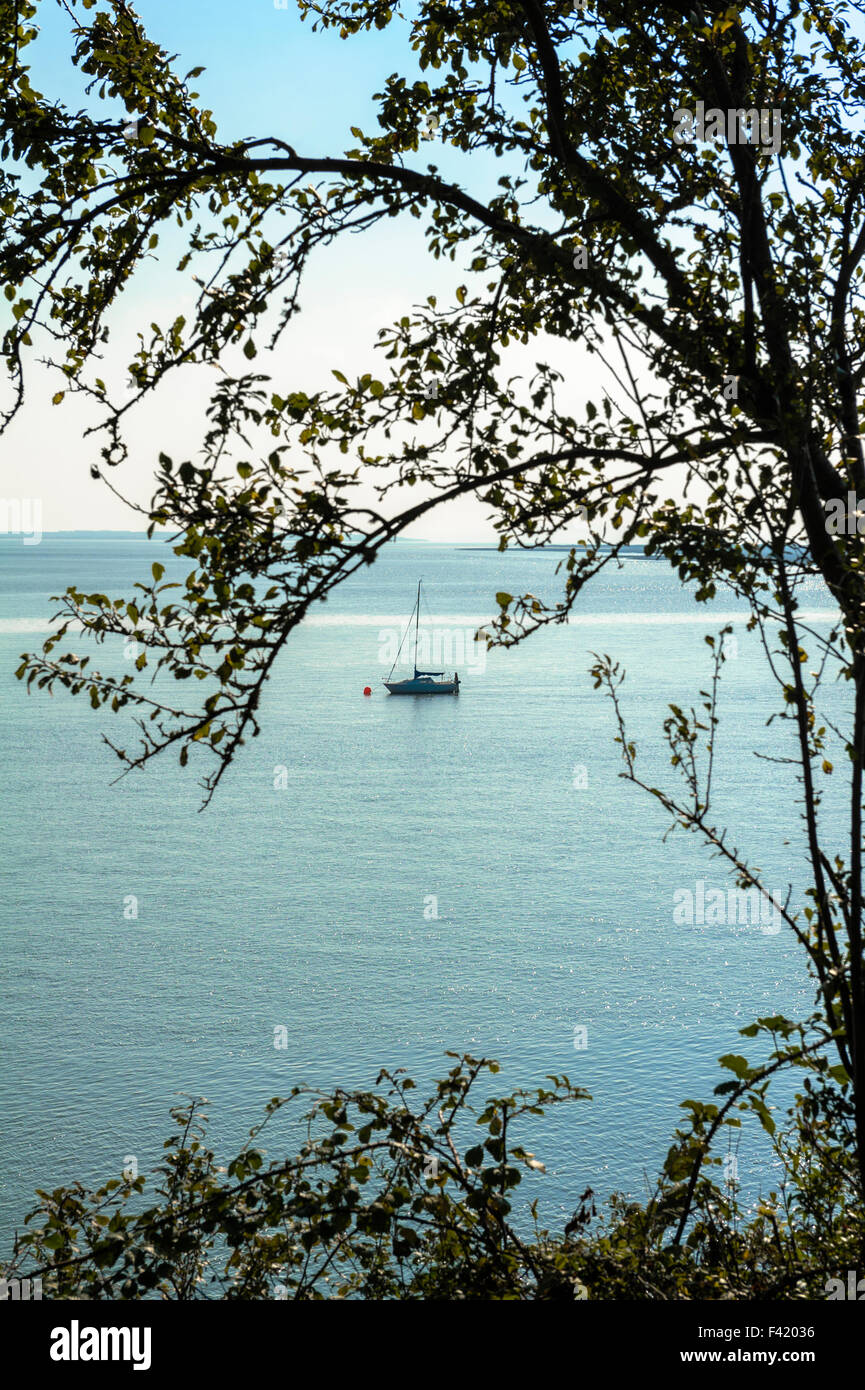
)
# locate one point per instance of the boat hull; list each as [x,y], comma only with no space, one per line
[422,687]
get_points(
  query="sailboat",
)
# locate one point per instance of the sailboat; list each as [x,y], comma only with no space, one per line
[422,682]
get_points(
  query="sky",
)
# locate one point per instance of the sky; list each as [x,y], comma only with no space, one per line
[266,73]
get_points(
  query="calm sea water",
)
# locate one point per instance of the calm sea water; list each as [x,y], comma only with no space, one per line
[311,906]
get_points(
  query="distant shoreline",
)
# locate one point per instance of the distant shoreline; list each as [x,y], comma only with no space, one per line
[489,546]
[531,550]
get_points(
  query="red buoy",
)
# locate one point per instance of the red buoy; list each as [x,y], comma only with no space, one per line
[366,690]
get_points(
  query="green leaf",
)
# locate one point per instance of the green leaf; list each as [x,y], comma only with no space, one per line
[735,1062]
[762,1110]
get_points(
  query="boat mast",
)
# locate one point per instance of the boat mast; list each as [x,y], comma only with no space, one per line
[416,623]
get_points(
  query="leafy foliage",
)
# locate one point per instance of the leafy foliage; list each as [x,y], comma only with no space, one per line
[382,1200]
[392,1198]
